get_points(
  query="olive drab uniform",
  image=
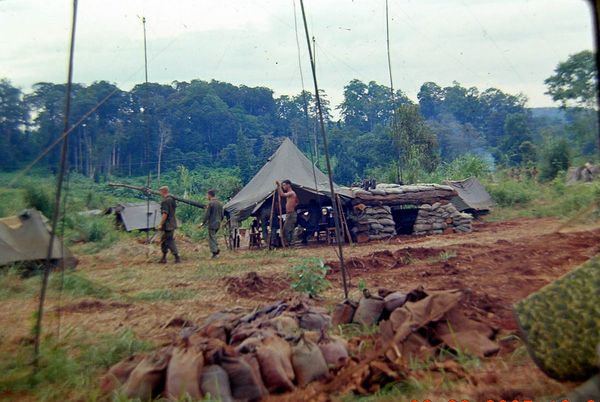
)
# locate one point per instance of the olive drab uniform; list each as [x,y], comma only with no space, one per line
[213,216]
[167,206]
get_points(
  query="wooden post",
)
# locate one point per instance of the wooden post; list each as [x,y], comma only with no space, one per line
[270,227]
[344,223]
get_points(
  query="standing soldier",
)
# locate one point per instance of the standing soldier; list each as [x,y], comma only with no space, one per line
[290,209]
[213,215]
[168,224]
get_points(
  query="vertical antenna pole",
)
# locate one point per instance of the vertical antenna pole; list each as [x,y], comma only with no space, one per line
[40,313]
[147,137]
[336,212]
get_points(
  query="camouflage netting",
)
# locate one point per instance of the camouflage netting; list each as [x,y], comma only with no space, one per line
[560,323]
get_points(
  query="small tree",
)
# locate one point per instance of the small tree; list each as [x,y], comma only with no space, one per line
[555,157]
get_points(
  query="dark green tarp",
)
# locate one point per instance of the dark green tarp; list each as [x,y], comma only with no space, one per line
[286,163]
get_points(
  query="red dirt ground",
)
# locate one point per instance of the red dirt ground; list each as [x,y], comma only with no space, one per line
[500,263]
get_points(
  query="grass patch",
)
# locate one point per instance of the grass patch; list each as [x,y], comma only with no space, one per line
[67,369]
[444,256]
[165,295]
[528,199]
[77,286]
[210,271]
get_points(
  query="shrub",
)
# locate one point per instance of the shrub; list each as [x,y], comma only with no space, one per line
[39,196]
[309,276]
[554,158]
[511,193]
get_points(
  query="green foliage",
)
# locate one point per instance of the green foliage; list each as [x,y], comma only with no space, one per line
[40,196]
[65,367]
[361,285]
[463,167]
[575,80]
[511,193]
[12,283]
[309,276]
[97,231]
[555,157]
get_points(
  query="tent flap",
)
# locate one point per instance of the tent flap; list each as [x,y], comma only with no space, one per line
[471,195]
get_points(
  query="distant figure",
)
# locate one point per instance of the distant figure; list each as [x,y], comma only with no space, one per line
[534,172]
[528,174]
[511,173]
[285,191]
[314,217]
[213,215]
[264,215]
[357,213]
[168,224]
[588,166]
[518,174]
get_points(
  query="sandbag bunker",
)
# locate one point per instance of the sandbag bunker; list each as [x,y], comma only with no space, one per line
[242,355]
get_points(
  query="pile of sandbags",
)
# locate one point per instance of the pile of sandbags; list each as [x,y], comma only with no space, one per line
[241,355]
[396,194]
[377,223]
[236,355]
[441,218]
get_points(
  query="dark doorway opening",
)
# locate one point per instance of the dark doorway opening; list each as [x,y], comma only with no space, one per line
[405,218]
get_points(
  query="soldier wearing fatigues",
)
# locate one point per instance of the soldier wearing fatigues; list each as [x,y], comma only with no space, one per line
[167,225]
[213,216]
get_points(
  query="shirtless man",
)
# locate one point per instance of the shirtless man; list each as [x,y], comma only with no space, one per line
[290,209]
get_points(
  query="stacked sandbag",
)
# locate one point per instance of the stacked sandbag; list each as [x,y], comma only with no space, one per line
[377,223]
[441,218]
[396,194]
[242,355]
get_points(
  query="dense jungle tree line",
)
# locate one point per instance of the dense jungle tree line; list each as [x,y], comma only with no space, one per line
[219,125]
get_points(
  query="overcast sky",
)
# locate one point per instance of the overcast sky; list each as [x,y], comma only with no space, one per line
[512,45]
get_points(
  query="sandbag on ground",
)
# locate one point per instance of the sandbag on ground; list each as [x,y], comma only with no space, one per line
[147,380]
[184,372]
[215,382]
[343,312]
[331,348]
[244,384]
[119,373]
[308,361]
[369,309]
[274,356]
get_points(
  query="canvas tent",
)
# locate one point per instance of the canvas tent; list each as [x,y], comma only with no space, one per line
[133,216]
[582,174]
[26,237]
[471,195]
[286,163]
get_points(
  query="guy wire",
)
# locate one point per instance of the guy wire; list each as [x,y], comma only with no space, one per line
[336,212]
[147,138]
[40,313]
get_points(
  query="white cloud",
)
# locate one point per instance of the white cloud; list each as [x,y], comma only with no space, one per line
[512,45]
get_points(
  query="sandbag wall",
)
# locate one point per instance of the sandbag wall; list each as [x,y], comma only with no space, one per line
[441,218]
[396,194]
[377,223]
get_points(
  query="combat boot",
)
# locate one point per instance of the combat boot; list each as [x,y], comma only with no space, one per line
[177,259]
[163,260]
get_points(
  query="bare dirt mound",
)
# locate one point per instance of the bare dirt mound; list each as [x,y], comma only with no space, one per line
[497,274]
[253,286]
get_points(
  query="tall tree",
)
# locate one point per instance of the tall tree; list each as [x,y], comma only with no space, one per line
[575,85]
